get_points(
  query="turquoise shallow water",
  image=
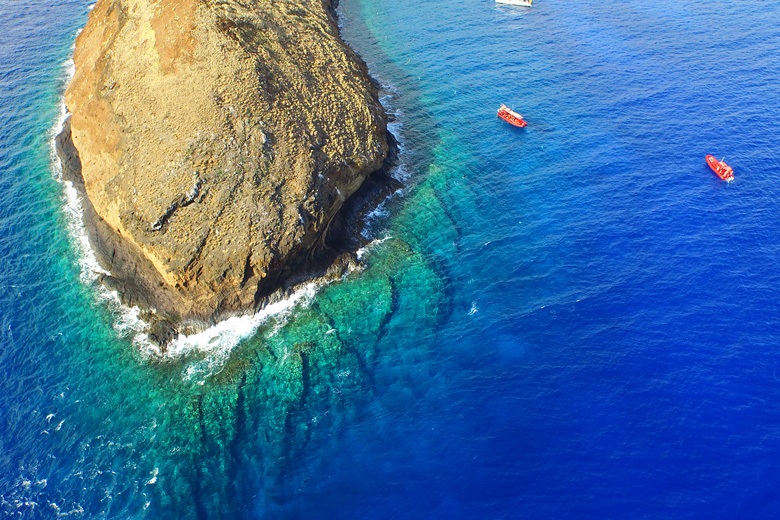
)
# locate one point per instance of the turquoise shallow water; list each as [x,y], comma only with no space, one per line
[574,320]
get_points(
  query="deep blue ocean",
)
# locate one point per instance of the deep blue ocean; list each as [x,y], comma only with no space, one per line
[573,320]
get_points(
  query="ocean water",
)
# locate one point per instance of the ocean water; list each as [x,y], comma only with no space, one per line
[573,320]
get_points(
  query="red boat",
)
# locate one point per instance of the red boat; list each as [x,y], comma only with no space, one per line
[721,169]
[511,117]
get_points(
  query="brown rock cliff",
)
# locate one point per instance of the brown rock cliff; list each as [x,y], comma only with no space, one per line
[216,140]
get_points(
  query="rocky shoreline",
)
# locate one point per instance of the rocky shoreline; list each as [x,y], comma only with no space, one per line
[182,293]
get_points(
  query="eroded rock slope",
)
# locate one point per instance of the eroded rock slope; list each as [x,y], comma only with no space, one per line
[216,141]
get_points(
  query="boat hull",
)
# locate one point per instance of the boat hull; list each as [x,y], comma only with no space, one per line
[511,117]
[721,169]
[524,3]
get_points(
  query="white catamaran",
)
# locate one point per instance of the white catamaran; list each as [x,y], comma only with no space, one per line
[526,3]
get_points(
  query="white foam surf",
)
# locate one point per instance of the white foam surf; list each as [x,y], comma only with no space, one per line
[375,218]
[363,251]
[127,320]
[217,342]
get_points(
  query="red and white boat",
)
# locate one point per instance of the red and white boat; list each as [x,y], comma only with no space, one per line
[511,117]
[721,169]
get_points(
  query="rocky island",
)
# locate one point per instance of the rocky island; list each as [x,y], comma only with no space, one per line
[218,144]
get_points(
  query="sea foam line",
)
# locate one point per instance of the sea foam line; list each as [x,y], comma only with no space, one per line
[218,341]
[127,320]
[376,217]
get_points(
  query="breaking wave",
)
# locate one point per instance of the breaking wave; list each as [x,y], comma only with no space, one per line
[218,341]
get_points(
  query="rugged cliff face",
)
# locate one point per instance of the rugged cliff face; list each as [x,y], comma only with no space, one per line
[216,140]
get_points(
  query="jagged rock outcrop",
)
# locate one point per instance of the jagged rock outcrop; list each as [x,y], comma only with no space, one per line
[216,140]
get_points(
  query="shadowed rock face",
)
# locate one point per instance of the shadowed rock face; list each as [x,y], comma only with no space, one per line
[217,140]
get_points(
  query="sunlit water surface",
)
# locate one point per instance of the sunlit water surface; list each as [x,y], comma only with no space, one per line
[574,320]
